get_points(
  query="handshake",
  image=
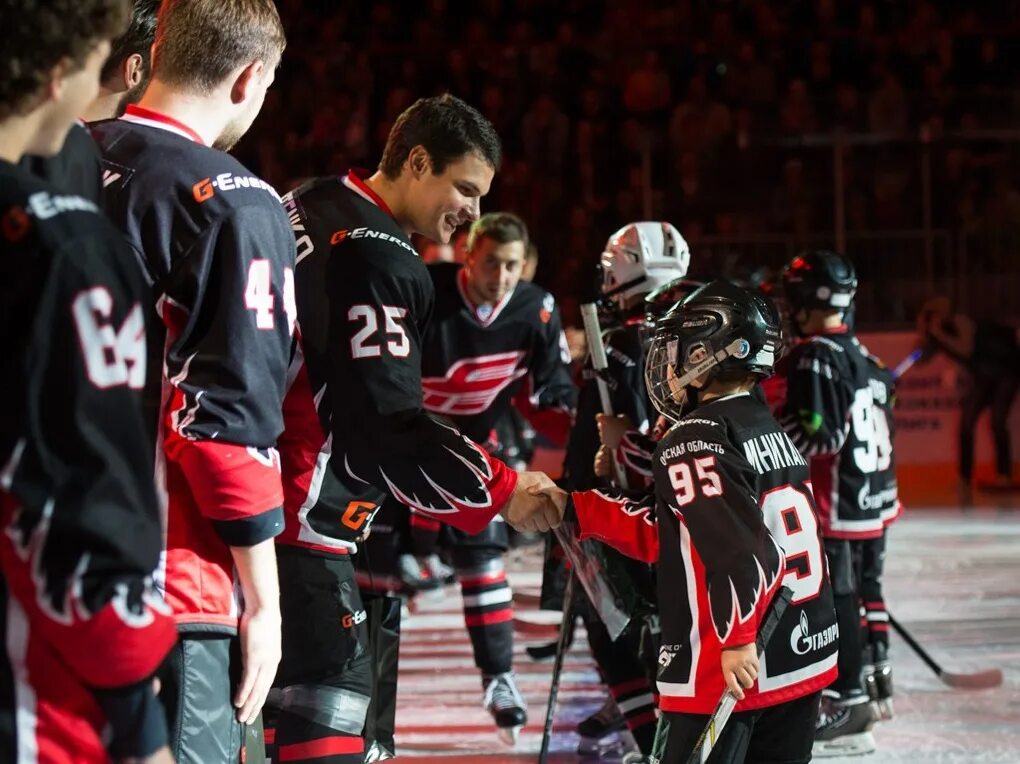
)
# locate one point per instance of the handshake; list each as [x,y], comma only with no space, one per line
[536,505]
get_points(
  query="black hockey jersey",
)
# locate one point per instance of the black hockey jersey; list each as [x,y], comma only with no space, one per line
[831,416]
[883,388]
[216,246]
[80,533]
[474,359]
[356,426]
[75,169]
[731,519]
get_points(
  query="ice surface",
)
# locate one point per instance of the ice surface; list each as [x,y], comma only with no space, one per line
[952,578]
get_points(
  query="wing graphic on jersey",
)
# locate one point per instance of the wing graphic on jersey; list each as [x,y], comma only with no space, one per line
[447,493]
[735,594]
[635,452]
[472,384]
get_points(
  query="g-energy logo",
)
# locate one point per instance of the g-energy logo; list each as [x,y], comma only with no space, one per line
[206,188]
[367,233]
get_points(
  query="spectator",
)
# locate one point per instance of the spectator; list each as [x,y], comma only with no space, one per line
[989,354]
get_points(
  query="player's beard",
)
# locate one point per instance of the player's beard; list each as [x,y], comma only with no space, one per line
[134,95]
[235,129]
[229,137]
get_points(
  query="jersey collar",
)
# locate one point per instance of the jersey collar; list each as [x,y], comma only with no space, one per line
[355,180]
[484,314]
[141,116]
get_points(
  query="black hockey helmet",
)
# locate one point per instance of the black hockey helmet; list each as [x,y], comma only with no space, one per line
[717,329]
[819,279]
[661,299]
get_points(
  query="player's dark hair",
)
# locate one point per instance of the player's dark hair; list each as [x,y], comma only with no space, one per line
[36,36]
[501,227]
[137,39]
[447,128]
[200,42]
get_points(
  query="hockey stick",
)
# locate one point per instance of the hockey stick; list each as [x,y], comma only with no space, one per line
[599,362]
[724,708]
[903,366]
[979,680]
[561,649]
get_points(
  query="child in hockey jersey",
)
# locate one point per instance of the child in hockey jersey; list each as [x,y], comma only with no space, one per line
[730,520]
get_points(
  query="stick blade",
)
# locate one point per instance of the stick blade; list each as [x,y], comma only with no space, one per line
[980,680]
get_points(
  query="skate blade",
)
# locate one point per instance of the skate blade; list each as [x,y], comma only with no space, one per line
[614,744]
[848,745]
[509,735]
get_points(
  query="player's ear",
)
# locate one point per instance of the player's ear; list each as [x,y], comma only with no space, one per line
[419,161]
[246,81]
[133,69]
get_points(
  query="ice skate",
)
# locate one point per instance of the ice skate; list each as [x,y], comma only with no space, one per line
[605,721]
[844,726]
[882,678]
[504,701]
[437,569]
[415,576]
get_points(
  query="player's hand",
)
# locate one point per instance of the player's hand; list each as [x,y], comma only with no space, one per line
[612,428]
[536,504]
[603,464]
[260,655]
[740,668]
[161,756]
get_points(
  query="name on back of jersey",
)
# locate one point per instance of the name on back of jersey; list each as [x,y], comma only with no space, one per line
[772,451]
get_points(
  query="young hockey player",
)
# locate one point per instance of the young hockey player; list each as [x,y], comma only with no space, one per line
[731,519]
[83,627]
[357,429]
[830,414]
[869,554]
[490,332]
[638,259]
[216,247]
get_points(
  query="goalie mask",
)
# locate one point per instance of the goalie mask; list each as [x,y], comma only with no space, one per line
[720,328]
[641,257]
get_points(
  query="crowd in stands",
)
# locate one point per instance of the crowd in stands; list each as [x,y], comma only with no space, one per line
[716,115]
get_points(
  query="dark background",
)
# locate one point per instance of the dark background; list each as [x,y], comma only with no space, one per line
[724,118]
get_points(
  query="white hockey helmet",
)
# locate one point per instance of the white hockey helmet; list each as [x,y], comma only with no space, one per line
[641,257]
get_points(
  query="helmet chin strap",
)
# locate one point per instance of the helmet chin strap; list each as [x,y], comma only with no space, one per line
[713,360]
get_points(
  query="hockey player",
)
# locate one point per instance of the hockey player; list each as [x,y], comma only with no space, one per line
[127,71]
[638,259]
[490,332]
[830,414]
[356,427]
[869,554]
[77,167]
[83,627]
[731,519]
[216,246]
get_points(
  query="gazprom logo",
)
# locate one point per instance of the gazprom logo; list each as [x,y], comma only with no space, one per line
[802,641]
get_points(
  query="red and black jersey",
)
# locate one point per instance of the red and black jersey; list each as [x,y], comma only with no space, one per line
[730,520]
[831,415]
[356,424]
[475,358]
[216,246]
[81,533]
